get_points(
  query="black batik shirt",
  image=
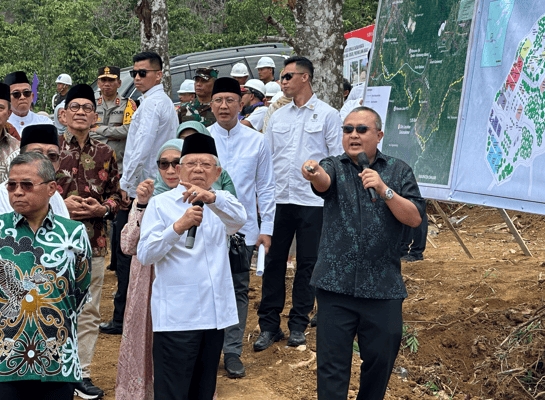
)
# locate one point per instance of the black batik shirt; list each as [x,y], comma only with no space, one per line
[359,248]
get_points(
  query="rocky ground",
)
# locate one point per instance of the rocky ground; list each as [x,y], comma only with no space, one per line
[474,327]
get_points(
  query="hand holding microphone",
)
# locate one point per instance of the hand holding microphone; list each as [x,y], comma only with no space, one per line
[191,219]
[363,161]
[190,240]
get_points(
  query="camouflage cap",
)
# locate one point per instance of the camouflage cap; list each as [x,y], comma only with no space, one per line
[206,73]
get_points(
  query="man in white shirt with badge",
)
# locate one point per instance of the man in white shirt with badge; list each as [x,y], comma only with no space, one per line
[21,100]
[192,300]
[246,155]
[305,129]
[42,139]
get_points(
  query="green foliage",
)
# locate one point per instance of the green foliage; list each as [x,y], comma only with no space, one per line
[408,338]
[356,347]
[359,13]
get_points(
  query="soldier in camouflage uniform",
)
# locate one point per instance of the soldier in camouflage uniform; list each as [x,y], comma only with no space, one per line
[199,109]
[114,113]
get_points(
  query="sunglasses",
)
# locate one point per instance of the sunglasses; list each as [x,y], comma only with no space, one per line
[88,108]
[27,187]
[141,72]
[359,128]
[288,75]
[164,164]
[24,93]
[53,157]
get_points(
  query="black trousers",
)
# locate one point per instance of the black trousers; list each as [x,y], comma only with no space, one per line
[185,364]
[413,240]
[36,390]
[123,268]
[379,326]
[306,223]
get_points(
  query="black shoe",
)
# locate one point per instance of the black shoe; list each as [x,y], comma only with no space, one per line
[233,366]
[314,321]
[267,338]
[296,339]
[110,328]
[86,390]
[410,258]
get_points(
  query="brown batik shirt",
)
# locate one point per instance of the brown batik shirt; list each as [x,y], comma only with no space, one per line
[90,171]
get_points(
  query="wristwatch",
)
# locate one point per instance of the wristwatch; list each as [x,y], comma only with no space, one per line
[212,190]
[388,194]
[107,211]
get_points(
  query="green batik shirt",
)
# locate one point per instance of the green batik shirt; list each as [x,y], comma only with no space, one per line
[44,282]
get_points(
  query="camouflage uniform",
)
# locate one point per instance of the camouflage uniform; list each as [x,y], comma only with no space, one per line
[113,125]
[195,111]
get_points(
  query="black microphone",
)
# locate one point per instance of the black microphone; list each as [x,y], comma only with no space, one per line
[363,161]
[190,241]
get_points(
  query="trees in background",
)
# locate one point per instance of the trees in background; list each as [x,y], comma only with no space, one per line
[51,37]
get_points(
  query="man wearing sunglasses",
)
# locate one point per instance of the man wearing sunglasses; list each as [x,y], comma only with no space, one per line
[44,278]
[89,183]
[9,138]
[21,97]
[306,128]
[42,139]
[152,125]
[358,281]
[199,109]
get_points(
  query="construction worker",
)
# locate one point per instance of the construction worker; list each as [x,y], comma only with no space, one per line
[271,89]
[187,91]
[253,112]
[240,73]
[64,81]
[265,69]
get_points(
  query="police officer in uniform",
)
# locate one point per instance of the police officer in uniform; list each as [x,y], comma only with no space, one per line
[199,108]
[114,113]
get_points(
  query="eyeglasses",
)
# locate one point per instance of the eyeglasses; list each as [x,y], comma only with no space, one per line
[193,165]
[53,157]
[141,72]
[219,100]
[288,75]
[164,164]
[25,93]
[359,128]
[87,107]
[27,187]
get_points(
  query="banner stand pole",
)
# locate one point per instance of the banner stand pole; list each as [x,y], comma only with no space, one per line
[514,232]
[447,222]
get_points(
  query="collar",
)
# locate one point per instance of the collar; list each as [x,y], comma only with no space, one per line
[69,137]
[153,90]
[346,159]
[3,134]
[197,103]
[310,104]
[48,222]
[117,100]
[224,132]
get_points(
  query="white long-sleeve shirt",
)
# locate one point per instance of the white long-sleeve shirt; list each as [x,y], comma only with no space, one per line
[30,119]
[246,156]
[154,123]
[56,202]
[296,135]
[193,288]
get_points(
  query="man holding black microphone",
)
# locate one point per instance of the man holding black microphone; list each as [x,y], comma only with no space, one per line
[358,279]
[193,299]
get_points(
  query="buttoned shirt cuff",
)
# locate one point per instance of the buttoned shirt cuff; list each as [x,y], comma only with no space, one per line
[127,188]
[266,228]
[170,235]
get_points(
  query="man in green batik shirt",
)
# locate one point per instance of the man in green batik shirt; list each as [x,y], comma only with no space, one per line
[45,274]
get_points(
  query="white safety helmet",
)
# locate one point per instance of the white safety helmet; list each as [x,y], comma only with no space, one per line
[271,89]
[239,70]
[265,62]
[256,84]
[187,86]
[64,78]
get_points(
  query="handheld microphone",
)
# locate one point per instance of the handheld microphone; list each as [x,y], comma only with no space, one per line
[190,240]
[363,161]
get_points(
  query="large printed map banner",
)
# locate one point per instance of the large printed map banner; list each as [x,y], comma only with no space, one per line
[467,106]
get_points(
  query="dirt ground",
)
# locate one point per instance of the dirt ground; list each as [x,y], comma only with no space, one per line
[475,325]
